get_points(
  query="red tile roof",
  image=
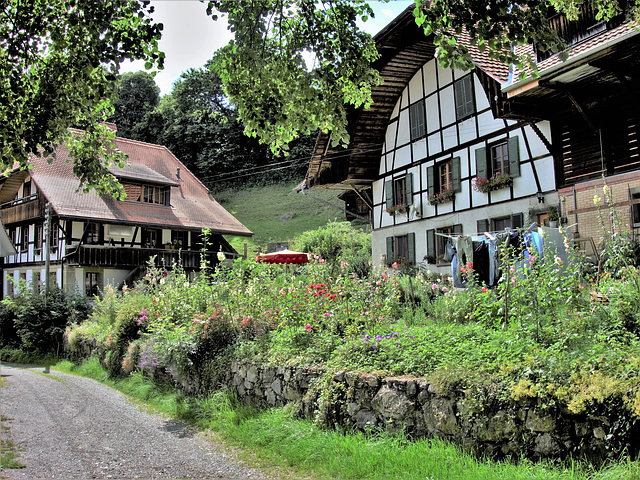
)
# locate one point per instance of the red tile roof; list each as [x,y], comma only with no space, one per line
[192,207]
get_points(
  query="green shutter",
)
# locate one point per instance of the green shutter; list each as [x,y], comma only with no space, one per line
[431,245]
[411,240]
[455,168]
[514,157]
[389,250]
[482,226]
[481,162]
[458,95]
[409,186]
[431,180]
[388,191]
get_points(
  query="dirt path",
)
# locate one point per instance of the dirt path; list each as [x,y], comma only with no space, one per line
[74,428]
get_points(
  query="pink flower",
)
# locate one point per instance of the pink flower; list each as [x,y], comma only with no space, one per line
[434,287]
[470,265]
[308,328]
[394,265]
[444,289]
[484,289]
[321,261]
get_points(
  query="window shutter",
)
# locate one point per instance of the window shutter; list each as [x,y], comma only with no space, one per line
[431,245]
[458,94]
[514,157]
[388,192]
[417,119]
[389,250]
[481,162]
[455,169]
[409,187]
[431,180]
[517,220]
[411,240]
[482,226]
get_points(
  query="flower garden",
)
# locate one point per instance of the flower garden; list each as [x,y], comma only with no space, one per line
[537,336]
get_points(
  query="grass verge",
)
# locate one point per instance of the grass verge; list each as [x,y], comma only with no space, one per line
[274,437]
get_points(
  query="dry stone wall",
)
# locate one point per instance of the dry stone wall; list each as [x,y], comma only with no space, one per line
[489,425]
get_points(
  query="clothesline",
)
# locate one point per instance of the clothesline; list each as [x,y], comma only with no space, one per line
[533,225]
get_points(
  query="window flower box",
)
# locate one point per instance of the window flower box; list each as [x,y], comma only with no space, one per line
[496,182]
[397,209]
[441,197]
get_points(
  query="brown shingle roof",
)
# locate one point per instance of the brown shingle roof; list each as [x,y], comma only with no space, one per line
[192,207]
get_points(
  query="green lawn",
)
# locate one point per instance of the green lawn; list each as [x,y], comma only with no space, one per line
[277,213]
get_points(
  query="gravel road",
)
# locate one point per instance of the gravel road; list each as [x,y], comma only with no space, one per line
[72,428]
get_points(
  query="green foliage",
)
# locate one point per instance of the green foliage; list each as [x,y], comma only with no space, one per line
[40,46]
[265,75]
[137,97]
[338,243]
[39,320]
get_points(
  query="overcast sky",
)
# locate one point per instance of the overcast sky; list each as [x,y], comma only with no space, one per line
[190,37]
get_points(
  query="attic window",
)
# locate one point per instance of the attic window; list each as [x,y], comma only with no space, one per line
[156,194]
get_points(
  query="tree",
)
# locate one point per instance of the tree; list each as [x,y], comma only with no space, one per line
[58,66]
[199,125]
[137,96]
[264,73]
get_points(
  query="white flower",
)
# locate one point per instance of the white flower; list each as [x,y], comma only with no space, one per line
[596,199]
[221,256]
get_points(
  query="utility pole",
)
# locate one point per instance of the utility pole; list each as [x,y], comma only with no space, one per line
[47,249]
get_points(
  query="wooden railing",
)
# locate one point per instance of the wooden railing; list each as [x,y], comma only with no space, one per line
[118,257]
[22,209]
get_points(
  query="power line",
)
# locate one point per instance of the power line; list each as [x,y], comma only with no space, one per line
[260,169]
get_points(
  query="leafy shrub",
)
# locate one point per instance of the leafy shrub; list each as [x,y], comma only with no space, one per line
[338,243]
[40,320]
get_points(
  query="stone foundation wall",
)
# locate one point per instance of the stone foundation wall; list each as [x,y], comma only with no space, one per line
[489,425]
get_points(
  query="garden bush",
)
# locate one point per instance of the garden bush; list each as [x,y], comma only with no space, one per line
[36,323]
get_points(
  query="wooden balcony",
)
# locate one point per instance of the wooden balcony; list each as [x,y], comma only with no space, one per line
[22,209]
[575,31]
[127,258]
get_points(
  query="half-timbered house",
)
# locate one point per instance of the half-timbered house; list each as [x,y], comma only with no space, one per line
[95,240]
[590,99]
[431,157]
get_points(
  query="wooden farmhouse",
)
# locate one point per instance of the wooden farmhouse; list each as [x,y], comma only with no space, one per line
[449,152]
[96,240]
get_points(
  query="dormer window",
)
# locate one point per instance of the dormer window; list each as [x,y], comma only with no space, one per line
[156,194]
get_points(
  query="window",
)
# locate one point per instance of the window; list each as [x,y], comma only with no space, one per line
[24,238]
[417,120]
[26,189]
[180,239]
[55,233]
[437,240]
[37,239]
[515,220]
[151,238]
[399,191]
[91,283]
[444,176]
[155,194]
[464,98]
[401,249]
[504,157]
[91,233]
[500,158]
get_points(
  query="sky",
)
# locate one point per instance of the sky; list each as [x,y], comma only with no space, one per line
[190,37]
